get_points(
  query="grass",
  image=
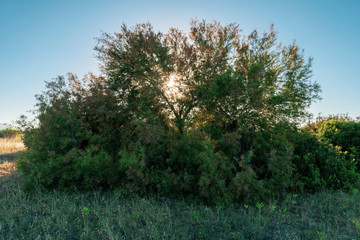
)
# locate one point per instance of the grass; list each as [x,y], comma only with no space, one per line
[11,145]
[95,215]
[10,148]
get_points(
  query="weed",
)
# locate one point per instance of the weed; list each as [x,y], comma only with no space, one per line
[85,211]
[357,224]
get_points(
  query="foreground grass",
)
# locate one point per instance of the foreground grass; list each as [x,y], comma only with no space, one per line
[95,215]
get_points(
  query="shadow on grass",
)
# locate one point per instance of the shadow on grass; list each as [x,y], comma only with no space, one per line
[8,165]
[10,157]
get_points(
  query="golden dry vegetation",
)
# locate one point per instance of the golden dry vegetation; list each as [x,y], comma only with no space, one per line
[11,145]
[9,150]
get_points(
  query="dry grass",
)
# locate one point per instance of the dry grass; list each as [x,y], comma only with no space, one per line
[6,168]
[11,145]
[9,150]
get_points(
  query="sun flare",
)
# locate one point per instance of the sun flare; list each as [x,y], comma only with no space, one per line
[172,87]
[171,82]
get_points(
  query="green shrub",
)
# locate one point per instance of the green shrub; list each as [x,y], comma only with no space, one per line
[195,171]
[320,165]
[70,149]
[168,120]
[131,171]
[9,133]
[343,133]
[86,140]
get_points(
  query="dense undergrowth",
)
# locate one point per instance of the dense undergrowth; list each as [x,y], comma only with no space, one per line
[55,214]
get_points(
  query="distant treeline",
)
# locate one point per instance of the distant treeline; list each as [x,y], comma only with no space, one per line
[9,133]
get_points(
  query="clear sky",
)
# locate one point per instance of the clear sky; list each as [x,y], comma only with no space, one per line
[40,40]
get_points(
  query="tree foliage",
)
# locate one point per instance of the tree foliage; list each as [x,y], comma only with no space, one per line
[218,73]
[210,115]
[9,133]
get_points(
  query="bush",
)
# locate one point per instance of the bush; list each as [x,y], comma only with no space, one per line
[9,133]
[71,141]
[320,165]
[196,171]
[262,160]
[344,134]
[85,141]
[168,120]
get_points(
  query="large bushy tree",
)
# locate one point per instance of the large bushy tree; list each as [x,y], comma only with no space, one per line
[215,73]
[209,115]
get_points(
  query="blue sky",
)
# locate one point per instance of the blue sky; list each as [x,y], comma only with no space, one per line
[40,40]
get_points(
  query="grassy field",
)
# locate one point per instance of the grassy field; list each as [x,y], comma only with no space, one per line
[10,148]
[96,215]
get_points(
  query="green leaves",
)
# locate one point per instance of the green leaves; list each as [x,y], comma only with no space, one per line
[209,116]
[233,77]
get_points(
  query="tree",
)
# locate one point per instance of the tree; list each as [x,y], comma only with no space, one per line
[205,115]
[211,74]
